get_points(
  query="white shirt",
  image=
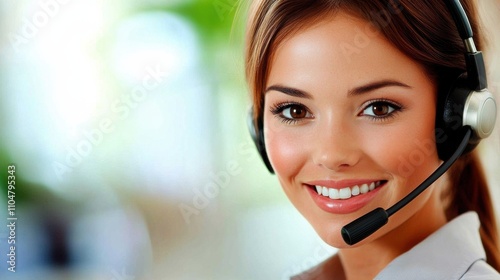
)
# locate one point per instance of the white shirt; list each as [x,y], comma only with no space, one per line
[454,251]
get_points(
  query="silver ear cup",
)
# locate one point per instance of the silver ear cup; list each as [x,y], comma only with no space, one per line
[480,113]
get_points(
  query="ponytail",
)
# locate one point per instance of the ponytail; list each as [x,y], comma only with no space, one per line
[469,192]
[469,188]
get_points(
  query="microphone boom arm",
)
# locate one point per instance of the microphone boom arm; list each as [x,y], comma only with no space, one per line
[367,224]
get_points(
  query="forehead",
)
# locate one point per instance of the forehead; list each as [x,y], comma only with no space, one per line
[341,47]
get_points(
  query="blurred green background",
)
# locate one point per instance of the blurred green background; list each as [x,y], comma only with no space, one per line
[126,121]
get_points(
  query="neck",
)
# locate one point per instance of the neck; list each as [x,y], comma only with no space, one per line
[367,260]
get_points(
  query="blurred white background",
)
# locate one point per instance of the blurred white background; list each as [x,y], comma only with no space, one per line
[126,122]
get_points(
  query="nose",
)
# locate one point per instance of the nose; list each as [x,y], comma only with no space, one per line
[335,147]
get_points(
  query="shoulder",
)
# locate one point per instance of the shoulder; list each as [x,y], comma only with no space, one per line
[453,252]
[481,270]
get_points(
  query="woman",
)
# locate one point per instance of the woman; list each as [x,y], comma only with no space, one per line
[345,95]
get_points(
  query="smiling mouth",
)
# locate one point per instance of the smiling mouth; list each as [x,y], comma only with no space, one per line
[347,192]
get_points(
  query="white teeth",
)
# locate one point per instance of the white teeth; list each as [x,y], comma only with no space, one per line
[347,192]
[364,188]
[325,191]
[355,190]
[334,194]
[318,189]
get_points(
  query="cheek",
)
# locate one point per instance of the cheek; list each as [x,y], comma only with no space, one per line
[284,150]
[408,152]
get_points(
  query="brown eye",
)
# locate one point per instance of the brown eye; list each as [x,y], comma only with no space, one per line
[291,113]
[295,112]
[380,109]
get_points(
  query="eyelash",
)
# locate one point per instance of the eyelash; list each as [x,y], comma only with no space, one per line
[397,108]
[277,110]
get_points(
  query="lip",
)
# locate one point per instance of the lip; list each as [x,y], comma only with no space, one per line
[342,206]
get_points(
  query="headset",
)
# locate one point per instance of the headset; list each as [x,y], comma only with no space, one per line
[465,114]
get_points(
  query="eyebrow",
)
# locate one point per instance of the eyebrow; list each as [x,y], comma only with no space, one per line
[352,92]
[290,91]
[376,85]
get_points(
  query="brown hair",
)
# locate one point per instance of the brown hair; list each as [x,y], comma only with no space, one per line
[419,29]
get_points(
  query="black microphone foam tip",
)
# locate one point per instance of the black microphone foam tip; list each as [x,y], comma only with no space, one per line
[365,225]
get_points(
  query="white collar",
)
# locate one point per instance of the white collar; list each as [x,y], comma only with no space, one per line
[446,254]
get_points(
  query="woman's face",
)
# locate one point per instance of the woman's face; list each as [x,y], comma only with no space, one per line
[349,126]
